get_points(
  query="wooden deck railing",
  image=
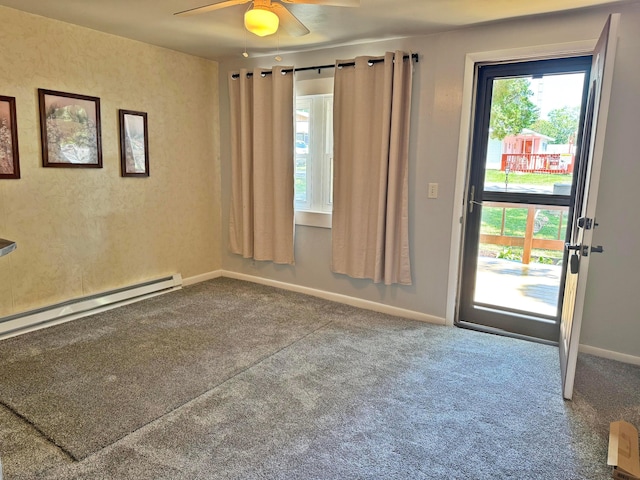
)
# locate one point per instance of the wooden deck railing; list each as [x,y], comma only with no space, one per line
[528,242]
[537,163]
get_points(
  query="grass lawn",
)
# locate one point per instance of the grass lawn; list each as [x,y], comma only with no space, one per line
[550,224]
[548,179]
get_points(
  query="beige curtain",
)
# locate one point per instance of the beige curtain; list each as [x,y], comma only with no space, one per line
[370,198]
[261,223]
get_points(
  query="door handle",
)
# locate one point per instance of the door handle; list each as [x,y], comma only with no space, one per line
[574,263]
[583,249]
[472,200]
[574,259]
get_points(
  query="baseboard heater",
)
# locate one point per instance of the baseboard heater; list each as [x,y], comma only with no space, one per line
[82,307]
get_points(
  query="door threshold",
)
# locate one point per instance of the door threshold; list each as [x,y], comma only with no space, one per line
[504,333]
[531,317]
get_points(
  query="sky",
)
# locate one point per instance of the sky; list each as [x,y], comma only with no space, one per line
[557,91]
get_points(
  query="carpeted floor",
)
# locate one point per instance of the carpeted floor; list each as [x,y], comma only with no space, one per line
[232,380]
[86,384]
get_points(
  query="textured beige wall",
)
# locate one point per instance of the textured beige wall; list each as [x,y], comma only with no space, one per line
[83,231]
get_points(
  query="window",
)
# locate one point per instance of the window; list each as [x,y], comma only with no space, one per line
[314,154]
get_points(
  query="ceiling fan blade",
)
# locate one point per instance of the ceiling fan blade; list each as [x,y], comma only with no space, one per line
[288,21]
[211,7]
[331,3]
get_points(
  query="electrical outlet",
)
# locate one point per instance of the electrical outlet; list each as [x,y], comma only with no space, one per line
[433,190]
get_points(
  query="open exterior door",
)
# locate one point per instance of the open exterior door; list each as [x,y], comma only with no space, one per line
[580,249]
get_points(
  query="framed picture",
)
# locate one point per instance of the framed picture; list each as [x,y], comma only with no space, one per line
[70,130]
[9,161]
[134,144]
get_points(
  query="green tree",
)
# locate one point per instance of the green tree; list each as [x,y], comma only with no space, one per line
[545,127]
[511,107]
[561,125]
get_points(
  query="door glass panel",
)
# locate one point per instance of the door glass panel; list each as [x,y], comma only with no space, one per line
[520,256]
[533,131]
[521,190]
[531,152]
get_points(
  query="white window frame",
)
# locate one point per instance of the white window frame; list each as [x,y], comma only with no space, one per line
[317,211]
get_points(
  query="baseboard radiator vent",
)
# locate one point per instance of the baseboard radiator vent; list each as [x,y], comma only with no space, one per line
[82,307]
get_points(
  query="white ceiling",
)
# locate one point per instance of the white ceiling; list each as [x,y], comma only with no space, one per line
[221,33]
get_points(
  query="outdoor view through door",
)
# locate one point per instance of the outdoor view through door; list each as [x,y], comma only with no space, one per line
[521,191]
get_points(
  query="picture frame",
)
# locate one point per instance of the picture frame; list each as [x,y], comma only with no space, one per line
[9,156]
[134,144]
[70,130]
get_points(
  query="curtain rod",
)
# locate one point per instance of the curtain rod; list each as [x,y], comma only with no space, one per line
[413,56]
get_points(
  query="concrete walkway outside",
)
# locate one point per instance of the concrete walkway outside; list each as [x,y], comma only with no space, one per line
[531,288]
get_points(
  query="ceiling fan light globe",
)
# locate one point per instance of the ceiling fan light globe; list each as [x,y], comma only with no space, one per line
[261,22]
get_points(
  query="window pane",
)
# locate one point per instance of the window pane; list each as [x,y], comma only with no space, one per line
[533,134]
[314,153]
[520,256]
[303,120]
[300,182]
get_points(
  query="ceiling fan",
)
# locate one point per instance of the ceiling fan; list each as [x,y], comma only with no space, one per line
[264,16]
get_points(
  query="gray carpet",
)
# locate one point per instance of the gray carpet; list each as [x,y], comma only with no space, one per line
[86,384]
[293,387]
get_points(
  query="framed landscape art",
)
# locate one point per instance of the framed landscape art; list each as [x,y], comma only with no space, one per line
[134,144]
[9,159]
[70,130]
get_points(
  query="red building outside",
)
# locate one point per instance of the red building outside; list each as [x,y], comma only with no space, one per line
[528,152]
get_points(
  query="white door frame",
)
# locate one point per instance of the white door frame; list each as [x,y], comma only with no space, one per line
[539,52]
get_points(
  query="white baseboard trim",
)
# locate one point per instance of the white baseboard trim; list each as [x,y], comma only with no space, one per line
[378,307]
[39,320]
[610,354]
[339,298]
[202,278]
